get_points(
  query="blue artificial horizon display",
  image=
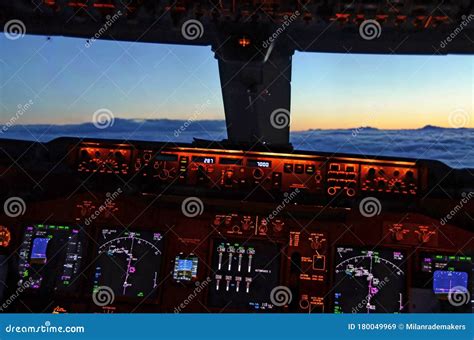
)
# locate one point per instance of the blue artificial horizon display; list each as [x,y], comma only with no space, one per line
[40,246]
[185,268]
[445,281]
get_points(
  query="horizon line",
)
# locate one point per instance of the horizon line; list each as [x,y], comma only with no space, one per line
[223,120]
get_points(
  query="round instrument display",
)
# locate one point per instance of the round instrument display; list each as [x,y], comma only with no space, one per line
[5,237]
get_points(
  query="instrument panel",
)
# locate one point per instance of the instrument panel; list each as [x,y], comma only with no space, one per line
[50,257]
[179,229]
[128,262]
[371,281]
[217,170]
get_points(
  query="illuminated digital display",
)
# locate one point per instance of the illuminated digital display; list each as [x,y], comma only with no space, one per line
[50,257]
[38,253]
[446,272]
[244,274]
[185,268]
[445,281]
[5,237]
[433,262]
[255,163]
[166,157]
[230,161]
[205,160]
[369,281]
[129,262]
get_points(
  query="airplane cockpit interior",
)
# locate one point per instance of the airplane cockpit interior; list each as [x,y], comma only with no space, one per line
[252,220]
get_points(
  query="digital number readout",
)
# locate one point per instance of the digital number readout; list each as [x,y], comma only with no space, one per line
[255,163]
[204,160]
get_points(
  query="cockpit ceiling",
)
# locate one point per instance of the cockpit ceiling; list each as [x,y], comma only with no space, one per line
[407,26]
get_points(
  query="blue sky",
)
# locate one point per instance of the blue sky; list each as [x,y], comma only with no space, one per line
[69,82]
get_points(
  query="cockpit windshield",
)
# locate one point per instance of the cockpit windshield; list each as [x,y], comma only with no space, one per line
[405,106]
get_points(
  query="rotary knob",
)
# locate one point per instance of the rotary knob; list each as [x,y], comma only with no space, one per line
[217,220]
[278,226]
[316,243]
[245,225]
[263,228]
[164,174]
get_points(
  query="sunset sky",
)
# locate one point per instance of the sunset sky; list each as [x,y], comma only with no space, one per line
[68,82]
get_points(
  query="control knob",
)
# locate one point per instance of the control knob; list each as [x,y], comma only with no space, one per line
[278,226]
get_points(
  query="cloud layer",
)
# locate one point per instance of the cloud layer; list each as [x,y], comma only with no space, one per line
[451,146]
